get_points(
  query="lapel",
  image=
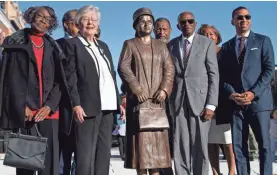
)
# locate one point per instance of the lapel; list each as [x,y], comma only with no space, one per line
[194,48]
[232,51]
[143,60]
[47,51]
[250,44]
[29,49]
[178,47]
[233,47]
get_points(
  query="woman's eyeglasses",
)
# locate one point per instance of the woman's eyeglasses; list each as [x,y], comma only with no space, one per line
[47,19]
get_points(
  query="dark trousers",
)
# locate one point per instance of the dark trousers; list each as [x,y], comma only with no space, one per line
[49,129]
[94,140]
[166,171]
[260,124]
[67,147]
[122,146]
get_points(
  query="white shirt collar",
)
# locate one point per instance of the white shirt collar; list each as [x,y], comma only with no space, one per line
[190,39]
[246,35]
[86,42]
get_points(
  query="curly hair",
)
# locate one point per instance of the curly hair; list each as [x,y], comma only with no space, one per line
[202,28]
[29,16]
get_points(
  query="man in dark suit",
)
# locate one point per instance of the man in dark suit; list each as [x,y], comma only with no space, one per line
[67,142]
[194,96]
[162,31]
[246,70]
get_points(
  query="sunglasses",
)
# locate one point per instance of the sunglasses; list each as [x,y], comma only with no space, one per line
[190,21]
[240,17]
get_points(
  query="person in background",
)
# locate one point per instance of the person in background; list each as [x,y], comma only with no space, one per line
[162,31]
[94,94]
[220,131]
[33,71]
[273,133]
[246,71]
[67,142]
[149,87]
[2,37]
[253,146]
[120,130]
[98,34]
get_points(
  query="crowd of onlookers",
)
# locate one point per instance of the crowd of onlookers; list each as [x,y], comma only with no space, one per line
[211,97]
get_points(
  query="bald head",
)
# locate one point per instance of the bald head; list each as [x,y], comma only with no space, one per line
[185,13]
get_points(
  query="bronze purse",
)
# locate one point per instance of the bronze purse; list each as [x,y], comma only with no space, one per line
[151,119]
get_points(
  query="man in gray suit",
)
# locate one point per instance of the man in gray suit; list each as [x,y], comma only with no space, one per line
[194,96]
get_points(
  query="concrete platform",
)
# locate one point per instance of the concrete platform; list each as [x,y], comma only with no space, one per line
[116,166]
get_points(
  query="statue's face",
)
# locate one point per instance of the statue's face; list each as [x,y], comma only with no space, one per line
[144,25]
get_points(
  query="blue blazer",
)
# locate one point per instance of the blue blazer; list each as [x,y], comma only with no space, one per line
[255,75]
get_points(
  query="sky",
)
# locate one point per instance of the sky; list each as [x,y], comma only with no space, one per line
[117,18]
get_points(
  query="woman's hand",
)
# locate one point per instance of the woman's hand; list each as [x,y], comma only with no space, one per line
[79,114]
[42,113]
[28,114]
[122,113]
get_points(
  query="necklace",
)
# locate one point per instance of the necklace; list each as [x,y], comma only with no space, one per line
[38,47]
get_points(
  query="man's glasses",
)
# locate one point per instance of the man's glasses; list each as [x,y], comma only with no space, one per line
[47,19]
[190,21]
[240,17]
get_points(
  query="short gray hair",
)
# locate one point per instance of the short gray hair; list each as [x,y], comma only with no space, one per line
[86,9]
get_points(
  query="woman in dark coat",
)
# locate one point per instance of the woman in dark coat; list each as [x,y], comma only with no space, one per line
[146,68]
[30,81]
[94,94]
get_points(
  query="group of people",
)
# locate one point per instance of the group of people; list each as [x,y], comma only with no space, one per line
[67,87]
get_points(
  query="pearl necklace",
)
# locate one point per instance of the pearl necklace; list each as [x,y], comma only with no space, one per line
[38,47]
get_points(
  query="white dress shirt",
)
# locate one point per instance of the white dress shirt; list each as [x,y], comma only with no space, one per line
[182,45]
[238,41]
[106,82]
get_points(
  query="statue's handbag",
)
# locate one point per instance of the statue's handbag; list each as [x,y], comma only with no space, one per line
[151,119]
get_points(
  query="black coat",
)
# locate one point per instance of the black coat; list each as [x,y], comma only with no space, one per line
[19,83]
[82,79]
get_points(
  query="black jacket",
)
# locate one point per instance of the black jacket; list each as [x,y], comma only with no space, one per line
[82,79]
[19,84]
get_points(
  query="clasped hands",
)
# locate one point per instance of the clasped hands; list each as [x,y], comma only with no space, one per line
[242,99]
[158,97]
[39,116]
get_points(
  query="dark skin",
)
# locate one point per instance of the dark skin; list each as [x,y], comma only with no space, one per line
[144,29]
[39,25]
[183,24]
[187,30]
[242,26]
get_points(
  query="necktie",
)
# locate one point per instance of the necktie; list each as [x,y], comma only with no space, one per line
[241,50]
[186,53]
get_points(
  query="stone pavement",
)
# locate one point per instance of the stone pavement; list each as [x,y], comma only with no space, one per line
[116,167]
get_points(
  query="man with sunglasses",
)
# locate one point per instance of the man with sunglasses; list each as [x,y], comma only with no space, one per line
[246,70]
[194,96]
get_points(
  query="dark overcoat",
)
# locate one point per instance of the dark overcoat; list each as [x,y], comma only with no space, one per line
[19,79]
